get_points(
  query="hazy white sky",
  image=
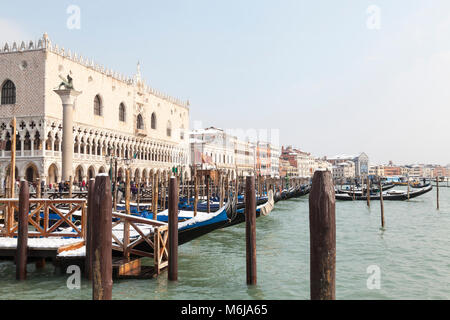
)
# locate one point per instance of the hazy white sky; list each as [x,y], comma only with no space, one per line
[312,69]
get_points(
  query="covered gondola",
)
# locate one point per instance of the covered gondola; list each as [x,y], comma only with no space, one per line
[389,195]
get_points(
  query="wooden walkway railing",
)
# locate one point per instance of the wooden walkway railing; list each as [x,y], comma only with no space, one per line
[153,233]
[42,224]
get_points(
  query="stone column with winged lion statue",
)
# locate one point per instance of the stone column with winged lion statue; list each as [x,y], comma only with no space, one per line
[68,95]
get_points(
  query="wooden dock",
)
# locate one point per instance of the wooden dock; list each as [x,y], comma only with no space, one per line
[57,232]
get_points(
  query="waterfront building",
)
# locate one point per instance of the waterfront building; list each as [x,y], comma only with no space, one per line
[267,159]
[287,169]
[376,171]
[404,171]
[439,171]
[114,116]
[213,149]
[245,152]
[391,171]
[321,164]
[416,171]
[343,171]
[361,162]
[303,161]
[275,161]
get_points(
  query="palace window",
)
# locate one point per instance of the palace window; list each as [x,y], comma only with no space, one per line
[8,93]
[140,122]
[122,113]
[169,129]
[98,106]
[182,132]
[153,121]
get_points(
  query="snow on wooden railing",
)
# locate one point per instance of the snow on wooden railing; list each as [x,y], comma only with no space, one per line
[47,217]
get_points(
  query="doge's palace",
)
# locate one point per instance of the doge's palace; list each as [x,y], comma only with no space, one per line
[113,116]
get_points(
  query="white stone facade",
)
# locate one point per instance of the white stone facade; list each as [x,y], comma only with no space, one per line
[130,120]
[213,148]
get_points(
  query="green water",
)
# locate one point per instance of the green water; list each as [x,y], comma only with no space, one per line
[413,254]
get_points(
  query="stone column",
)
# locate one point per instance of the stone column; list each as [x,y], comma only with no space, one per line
[32,146]
[68,98]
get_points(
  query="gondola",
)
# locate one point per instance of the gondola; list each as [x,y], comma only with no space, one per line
[359,191]
[190,227]
[261,210]
[389,195]
[420,186]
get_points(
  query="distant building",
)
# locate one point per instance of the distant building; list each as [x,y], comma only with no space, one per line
[344,170]
[391,171]
[287,169]
[361,162]
[376,171]
[244,157]
[213,148]
[303,161]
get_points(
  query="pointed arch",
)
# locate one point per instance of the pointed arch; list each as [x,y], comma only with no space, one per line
[154,123]
[8,92]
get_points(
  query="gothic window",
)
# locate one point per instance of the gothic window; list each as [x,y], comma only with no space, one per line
[97,106]
[182,132]
[8,93]
[140,122]
[153,121]
[169,129]
[122,113]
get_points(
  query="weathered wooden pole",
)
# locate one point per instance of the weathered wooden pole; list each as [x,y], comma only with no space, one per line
[12,170]
[138,198]
[221,190]
[437,193]
[116,186]
[173,229]
[195,192]
[322,228]
[353,190]
[250,229]
[38,188]
[208,194]
[70,192]
[155,197]
[127,191]
[407,178]
[89,228]
[368,191]
[381,204]
[102,240]
[22,231]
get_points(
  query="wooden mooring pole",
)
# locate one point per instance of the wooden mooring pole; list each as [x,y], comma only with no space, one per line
[102,240]
[250,229]
[173,229]
[322,228]
[89,226]
[437,193]
[12,168]
[368,191]
[381,204]
[22,238]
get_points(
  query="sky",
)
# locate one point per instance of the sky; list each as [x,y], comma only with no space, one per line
[331,77]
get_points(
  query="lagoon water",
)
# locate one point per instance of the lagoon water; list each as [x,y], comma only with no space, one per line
[412,254]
